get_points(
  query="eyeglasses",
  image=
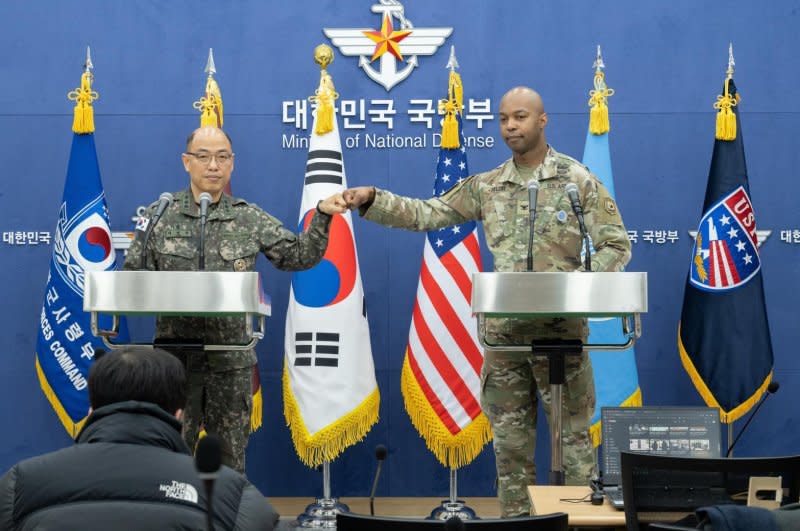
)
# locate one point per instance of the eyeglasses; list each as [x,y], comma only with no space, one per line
[204,157]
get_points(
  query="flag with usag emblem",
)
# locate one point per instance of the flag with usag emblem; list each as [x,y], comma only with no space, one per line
[723,334]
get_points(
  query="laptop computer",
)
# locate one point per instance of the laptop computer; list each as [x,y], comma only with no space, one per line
[672,431]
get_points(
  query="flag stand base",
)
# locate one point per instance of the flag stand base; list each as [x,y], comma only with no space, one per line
[453,507]
[322,513]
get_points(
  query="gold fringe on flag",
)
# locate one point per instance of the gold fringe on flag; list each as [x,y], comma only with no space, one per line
[326,94]
[257,411]
[83,114]
[452,451]
[210,105]
[452,108]
[73,428]
[726,118]
[598,115]
[725,416]
[328,443]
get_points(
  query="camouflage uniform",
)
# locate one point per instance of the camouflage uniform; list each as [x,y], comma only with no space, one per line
[219,383]
[510,380]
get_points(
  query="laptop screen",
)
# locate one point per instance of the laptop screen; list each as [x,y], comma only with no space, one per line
[673,431]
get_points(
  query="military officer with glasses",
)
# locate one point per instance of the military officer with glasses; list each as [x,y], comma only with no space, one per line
[219,383]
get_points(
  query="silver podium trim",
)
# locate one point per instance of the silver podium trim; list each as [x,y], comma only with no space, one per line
[560,294]
[198,293]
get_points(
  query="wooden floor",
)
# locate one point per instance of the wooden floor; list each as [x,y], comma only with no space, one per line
[403,507]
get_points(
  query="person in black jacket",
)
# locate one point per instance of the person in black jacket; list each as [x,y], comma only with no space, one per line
[130,468]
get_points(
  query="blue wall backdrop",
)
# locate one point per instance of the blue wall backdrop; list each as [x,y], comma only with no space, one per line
[666,61]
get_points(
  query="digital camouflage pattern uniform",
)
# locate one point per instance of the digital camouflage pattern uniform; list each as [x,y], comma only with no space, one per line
[510,380]
[219,383]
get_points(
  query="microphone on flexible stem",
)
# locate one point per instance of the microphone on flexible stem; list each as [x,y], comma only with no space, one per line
[164,201]
[772,388]
[572,193]
[533,193]
[208,460]
[205,200]
[380,455]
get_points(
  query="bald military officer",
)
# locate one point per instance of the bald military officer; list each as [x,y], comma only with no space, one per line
[511,381]
[219,382]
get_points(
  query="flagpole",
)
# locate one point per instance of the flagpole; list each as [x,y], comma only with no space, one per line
[322,513]
[453,507]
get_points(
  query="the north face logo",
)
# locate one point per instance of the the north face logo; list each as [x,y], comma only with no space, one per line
[179,491]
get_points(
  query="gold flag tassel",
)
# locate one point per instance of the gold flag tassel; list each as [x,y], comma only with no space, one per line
[326,94]
[210,105]
[452,108]
[598,115]
[83,96]
[726,118]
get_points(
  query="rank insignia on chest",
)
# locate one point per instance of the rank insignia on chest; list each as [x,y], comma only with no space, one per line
[239,265]
[178,232]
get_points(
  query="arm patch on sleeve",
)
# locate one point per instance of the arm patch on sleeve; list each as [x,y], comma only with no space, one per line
[610,206]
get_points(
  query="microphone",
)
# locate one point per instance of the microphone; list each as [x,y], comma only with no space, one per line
[533,193]
[205,200]
[380,455]
[163,202]
[208,460]
[772,388]
[572,193]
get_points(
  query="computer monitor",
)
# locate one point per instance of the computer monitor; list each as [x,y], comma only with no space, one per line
[668,431]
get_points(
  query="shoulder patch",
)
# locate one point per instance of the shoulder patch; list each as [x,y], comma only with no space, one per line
[610,206]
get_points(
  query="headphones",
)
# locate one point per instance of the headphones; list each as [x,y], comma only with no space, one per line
[596,484]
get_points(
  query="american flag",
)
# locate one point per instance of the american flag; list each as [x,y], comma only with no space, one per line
[441,374]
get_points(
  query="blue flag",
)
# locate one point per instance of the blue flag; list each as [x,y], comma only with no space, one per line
[616,380]
[723,334]
[65,346]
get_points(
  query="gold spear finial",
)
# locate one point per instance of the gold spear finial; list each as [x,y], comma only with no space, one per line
[731,62]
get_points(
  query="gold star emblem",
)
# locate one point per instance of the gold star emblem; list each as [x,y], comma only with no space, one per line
[387,40]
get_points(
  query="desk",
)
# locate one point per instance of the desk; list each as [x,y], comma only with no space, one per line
[545,500]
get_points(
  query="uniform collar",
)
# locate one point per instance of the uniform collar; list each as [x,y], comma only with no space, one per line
[546,170]
[222,209]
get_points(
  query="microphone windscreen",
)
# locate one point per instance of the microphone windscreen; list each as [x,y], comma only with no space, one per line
[533,184]
[571,188]
[773,386]
[166,196]
[380,452]
[208,457]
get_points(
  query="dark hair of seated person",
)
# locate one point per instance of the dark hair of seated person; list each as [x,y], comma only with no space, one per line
[137,373]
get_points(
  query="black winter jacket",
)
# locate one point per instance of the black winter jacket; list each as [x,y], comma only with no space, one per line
[130,470]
